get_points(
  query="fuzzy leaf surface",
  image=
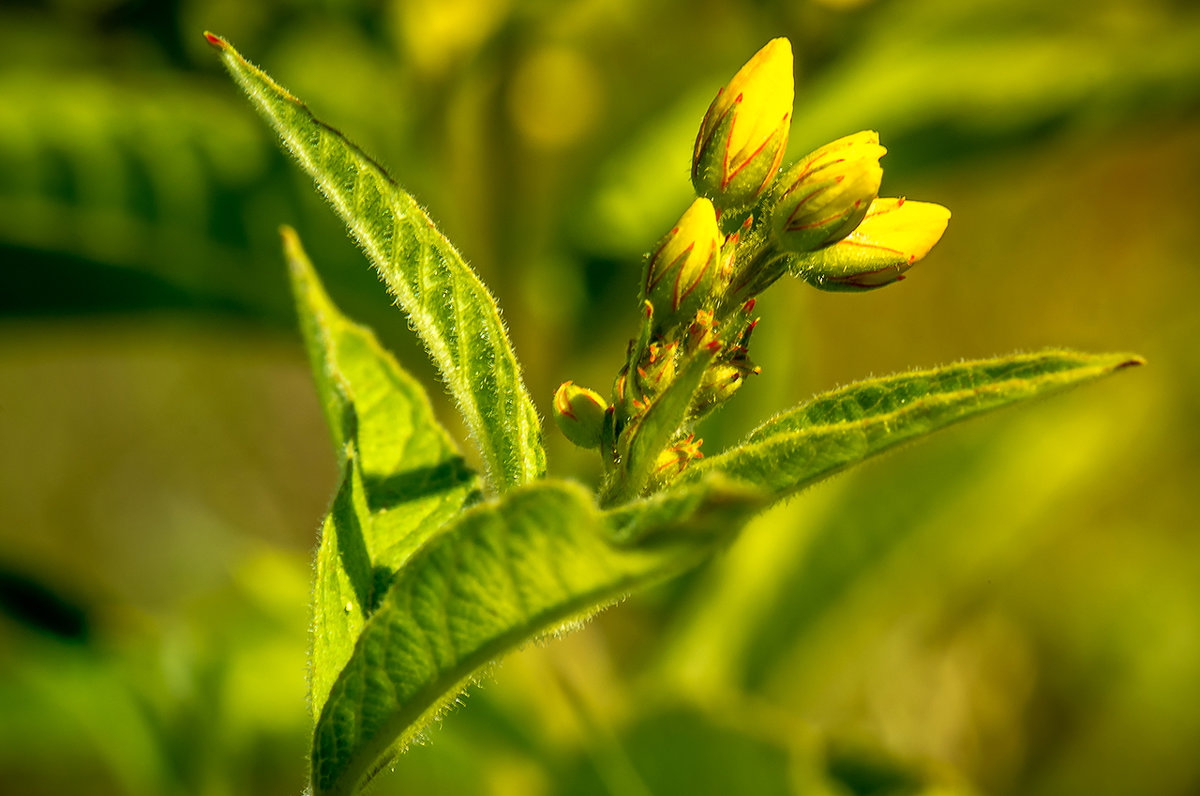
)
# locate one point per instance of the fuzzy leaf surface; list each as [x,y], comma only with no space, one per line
[845,426]
[402,476]
[344,582]
[449,307]
[504,573]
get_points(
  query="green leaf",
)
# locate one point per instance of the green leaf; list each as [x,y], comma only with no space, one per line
[413,474]
[837,429]
[656,428]
[344,584]
[450,309]
[715,505]
[504,573]
[402,476]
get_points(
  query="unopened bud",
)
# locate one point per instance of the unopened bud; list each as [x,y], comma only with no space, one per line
[744,134]
[718,386]
[657,368]
[579,413]
[894,235]
[700,332]
[681,272]
[674,460]
[824,197]
[724,378]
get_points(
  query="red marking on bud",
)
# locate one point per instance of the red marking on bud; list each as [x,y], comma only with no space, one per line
[215,41]
[748,307]
[715,345]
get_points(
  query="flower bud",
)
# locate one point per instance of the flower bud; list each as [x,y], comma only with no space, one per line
[823,197]
[895,234]
[744,134]
[657,368]
[699,333]
[674,460]
[579,413]
[681,272]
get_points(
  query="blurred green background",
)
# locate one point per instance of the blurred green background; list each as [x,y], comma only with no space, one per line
[1012,607]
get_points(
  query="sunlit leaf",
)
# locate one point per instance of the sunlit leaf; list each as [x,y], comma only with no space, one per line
[447,305]
[402,477]
[504,573]
[845,426]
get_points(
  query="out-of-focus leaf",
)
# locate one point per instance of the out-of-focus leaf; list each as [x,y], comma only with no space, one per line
[449,307]
[835,430]
[152,178]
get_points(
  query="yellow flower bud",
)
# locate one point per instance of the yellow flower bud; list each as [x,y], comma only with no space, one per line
[682,270]
[673,461]
[744,134]
[823,197]
[579,413]
[894,235]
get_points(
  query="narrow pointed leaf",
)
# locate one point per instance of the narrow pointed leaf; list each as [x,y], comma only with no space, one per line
[504,573]
[402,477]
[344,584]
[413,473]
[840,428]
[450,309]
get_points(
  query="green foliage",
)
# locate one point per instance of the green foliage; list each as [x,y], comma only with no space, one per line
[837,429]
[408,612]
[402,476]
[1013,602]
[419,587]
[450,309]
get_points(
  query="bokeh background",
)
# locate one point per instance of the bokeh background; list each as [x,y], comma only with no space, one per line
[1011,607]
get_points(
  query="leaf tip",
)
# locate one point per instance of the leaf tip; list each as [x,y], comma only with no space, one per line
[292,249]
[1129,361]
[215,40]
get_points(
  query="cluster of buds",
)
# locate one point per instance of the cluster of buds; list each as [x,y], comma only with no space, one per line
[821,219]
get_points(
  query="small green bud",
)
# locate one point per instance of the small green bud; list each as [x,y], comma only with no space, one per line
[579,413]
[823,197]
[681,272]
[724,377]
[744,134]
[894,235]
